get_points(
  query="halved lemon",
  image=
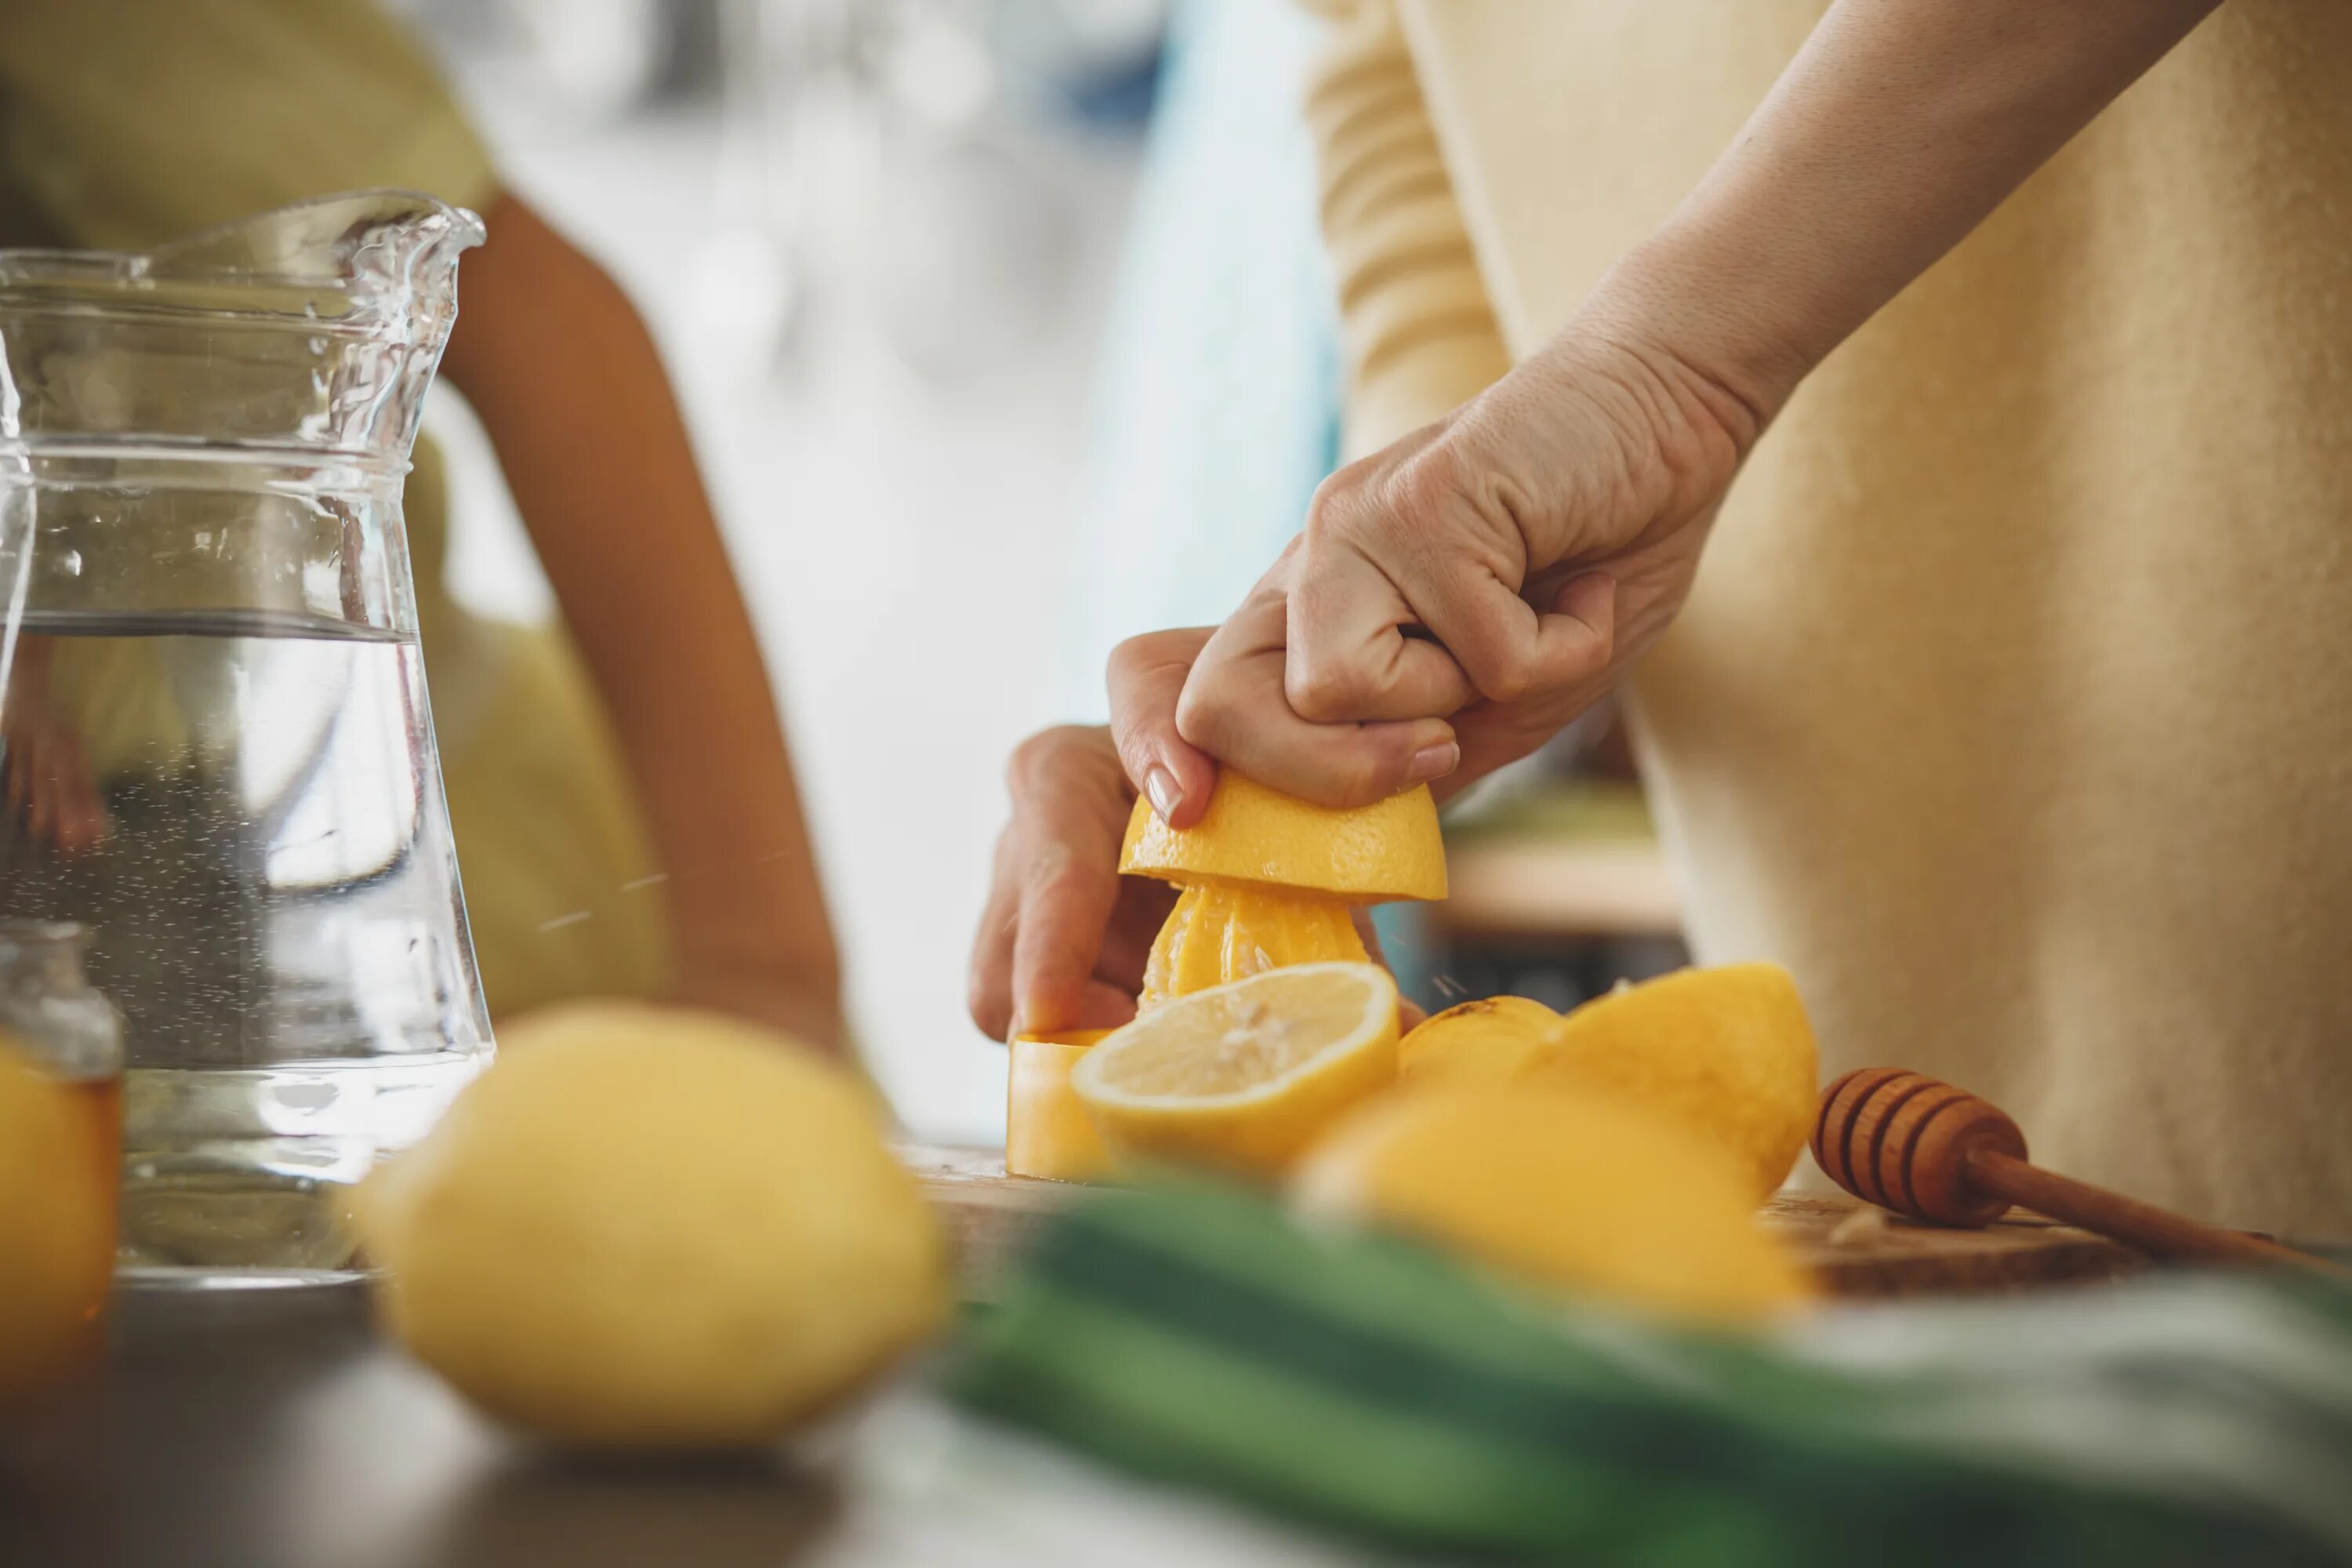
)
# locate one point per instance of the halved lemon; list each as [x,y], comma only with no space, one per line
[1482,1041]
[1244,1075]
[1370,854]
[1222,931]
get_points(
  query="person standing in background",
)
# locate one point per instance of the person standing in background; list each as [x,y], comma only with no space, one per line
[624,802]
[2012,705]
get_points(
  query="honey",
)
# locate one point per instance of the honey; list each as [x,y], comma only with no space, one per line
[60,1161]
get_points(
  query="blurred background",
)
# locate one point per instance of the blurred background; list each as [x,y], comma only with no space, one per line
[1003,333]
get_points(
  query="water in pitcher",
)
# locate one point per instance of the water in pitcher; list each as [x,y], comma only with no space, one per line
[217,751]
[241,804]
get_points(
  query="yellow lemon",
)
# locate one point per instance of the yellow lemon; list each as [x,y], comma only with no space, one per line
[1370,854]
[1047,1133]
[1490,1038]
[1727,1051]
[56,1225]
[1578,1193]
[648,1227]
[1220,932]
[1244,1075]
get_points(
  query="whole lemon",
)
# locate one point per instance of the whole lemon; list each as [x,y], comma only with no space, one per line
[1726,1051]
[56,1230]
[647,1227]
[1580,1194]
[1489,1038]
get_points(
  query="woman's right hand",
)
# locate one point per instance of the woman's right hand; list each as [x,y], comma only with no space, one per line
[1065,938]
[1459,597]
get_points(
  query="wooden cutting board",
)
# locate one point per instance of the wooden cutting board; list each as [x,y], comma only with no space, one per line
[1854,1249]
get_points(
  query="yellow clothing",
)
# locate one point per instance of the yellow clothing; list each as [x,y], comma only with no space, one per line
[126,122]
[2013,705]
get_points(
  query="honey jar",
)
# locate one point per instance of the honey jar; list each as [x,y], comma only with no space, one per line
[60,1159]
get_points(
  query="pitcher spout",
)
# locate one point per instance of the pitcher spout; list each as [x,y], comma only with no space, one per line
[313,329]
[393,255]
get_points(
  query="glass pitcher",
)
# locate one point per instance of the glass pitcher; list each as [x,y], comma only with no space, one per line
[217,748]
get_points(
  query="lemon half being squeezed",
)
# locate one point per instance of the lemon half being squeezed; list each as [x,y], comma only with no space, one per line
[1270,880]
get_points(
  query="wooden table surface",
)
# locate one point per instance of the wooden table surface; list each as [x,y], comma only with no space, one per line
[1856,1251]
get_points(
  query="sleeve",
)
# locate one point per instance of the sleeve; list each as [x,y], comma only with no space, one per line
[126,122]
[1419,334]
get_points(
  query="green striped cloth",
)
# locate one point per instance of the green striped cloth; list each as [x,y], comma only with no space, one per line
[1196,1335]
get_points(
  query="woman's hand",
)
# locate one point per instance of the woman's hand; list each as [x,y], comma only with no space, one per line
[1459,596]
[50,791]
[1504,567]
[1064,938]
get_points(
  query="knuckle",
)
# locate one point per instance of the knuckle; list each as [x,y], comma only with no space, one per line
[1039,756]
[1131,655]
[1326,690]
[1203,716]
[1058,874]
[1427,484]
[1505,675]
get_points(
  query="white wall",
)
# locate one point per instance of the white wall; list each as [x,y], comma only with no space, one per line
[905,544]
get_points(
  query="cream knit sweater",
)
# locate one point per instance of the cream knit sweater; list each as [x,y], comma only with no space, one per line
[2013,706]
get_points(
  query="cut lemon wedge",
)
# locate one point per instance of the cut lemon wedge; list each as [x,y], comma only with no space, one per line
[1570,1191]
[1047,1133]
[1244,1075]
[1726,1051]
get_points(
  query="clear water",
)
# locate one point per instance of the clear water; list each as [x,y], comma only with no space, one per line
[246,809]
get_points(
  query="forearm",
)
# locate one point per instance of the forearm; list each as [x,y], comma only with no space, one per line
[1896,130]
[571,392]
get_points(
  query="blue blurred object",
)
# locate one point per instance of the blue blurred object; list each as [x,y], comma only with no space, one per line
[1096,61]
[1220,393]
[1218,411]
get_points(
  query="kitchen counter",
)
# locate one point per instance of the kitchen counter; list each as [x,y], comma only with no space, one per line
[276,1429]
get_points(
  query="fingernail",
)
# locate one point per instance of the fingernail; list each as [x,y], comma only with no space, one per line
[1161,785]
[1433,762]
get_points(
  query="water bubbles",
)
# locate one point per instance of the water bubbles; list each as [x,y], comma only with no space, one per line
[70,563]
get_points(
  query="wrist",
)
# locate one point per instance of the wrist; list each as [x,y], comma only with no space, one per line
[1681,303]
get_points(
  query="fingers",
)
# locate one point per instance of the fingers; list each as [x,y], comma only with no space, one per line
[1509,649]
[1493,734]
[1352,657]
[1147,676]
[988,992]
[1235,708]
[1067,899]
[50,788]
[80,821]
[1063,937]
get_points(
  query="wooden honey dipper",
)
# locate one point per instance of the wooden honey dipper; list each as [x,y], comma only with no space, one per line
[1921,1147]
